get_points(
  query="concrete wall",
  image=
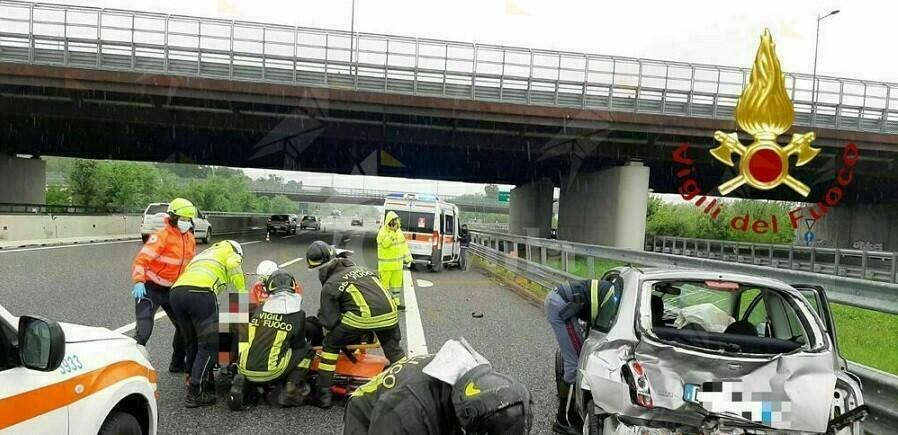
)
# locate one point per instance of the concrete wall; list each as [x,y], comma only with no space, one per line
[857,226]
[22,181]
[43,226]
[606,207]
[16,227]
[531,209]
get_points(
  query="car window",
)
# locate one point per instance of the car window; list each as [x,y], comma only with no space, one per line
[449,228]
[156,208]
[609,307]
[8,355]
[752,300]
[279,217]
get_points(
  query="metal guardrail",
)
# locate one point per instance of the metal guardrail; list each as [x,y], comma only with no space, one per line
[872,295]
[854,263]
[880,388]
[115,39]
[7,207]
[271,188]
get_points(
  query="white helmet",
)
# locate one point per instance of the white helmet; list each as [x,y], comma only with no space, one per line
[266,268]
[237,248]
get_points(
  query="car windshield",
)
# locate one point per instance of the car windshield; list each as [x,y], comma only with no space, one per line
[308,218]
[727,316]
[279,218]
[156,208]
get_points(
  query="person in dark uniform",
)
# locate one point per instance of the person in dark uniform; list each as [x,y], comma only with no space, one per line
[354,304]
[452,392]
[277,353]
[565,305]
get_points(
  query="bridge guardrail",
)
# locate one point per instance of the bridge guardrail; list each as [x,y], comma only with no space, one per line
[880,388]
[871,295]
[379,194]
[116,39]
[856,263]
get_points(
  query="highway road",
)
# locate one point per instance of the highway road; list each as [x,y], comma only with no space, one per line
[90,284]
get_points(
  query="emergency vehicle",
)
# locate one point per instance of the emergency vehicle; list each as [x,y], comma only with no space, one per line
[60,378]
[431,227]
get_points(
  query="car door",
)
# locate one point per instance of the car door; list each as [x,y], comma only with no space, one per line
[16,380]
[450,244]
[816,297]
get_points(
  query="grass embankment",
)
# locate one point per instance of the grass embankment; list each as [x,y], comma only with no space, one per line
[865,336]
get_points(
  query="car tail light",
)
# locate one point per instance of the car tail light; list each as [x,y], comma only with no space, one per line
[640,388]
[436,239]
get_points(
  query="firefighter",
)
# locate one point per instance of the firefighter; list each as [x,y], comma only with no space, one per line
[392,254]
[454,391]
[565,306]
[156,267]
[195,301]
[278,353]
[354,303]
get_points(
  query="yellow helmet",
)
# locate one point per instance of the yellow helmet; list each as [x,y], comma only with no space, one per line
[182,208]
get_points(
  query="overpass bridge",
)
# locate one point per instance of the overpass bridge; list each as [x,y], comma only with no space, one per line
[106,83]
[373,197]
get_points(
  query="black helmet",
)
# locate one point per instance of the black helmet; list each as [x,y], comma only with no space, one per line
[488,402]
[280,281]
[319,253]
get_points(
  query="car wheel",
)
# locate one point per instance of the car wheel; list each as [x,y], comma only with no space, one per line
[437,267]
[208,237]
[120,423]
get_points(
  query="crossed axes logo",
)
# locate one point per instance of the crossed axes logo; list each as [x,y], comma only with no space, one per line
[765,111]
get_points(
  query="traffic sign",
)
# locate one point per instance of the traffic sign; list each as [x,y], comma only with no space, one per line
[504,196]
[809,237]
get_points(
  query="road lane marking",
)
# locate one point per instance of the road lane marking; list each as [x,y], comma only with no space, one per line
[287,237]
[76,245]
[290,262]
[251,243]
[129,327]
[414,330]
[423,283]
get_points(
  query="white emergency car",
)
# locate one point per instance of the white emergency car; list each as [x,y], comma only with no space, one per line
[154,219]
[60,378]
[430,226]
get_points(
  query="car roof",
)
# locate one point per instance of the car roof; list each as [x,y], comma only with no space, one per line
[679,273]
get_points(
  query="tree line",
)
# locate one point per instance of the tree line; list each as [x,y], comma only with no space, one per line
[130,186]
[687,220]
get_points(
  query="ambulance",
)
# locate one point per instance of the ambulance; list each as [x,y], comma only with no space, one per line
[60,378]
[430,226]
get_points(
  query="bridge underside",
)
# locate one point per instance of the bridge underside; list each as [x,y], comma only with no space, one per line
[131,116]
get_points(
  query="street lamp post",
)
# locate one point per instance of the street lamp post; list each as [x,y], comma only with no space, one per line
[352,39]
[814,78]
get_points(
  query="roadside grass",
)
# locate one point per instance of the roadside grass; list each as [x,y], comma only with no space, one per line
[865,336]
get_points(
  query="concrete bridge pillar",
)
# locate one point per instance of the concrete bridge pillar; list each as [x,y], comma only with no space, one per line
[606,207]
[531,208]
[22,181]
[850,226]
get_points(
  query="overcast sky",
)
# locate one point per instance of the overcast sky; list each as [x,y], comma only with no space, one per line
[857,43]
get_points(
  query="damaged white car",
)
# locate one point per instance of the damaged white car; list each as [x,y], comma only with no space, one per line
[691,352]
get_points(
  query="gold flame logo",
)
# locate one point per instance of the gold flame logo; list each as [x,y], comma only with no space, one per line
[765,111]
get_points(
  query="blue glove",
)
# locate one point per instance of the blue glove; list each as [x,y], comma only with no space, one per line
[139,291]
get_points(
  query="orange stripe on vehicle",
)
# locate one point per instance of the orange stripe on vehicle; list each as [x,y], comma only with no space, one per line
[30,404]
[418,237]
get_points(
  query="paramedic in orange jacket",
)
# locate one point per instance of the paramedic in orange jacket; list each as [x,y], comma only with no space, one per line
[156,267]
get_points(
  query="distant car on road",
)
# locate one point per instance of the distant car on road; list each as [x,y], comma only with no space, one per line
[673,349]
[357,222]
[310,222]
[281,223]
[64,378]
[154,219]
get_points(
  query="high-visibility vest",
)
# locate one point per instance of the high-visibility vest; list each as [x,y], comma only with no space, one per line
[392,248]
[214,268]
[164,256]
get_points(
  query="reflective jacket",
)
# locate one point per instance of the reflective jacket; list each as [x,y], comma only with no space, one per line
[276,331]
[402,400]
[214,269]
[392,248]
[586,299]
[164,256]
[353,296]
